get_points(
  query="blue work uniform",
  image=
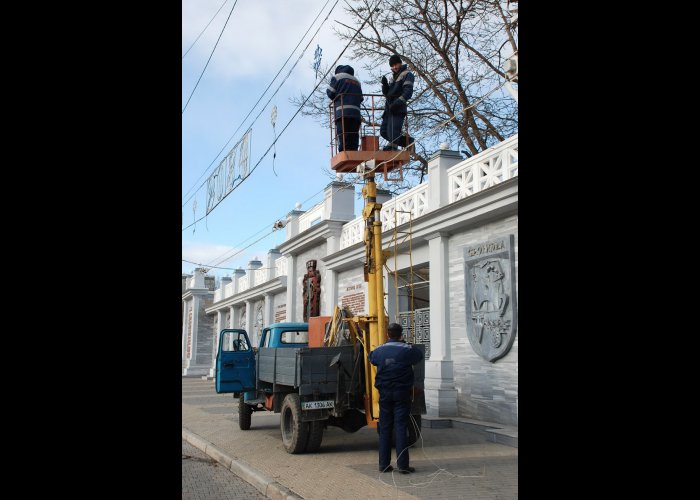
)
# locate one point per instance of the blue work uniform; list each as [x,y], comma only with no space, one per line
[394,361]
[345,91]
[397,94]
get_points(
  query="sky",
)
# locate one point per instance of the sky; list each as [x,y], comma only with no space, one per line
[259,37]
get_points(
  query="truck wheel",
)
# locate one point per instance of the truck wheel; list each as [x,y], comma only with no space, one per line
[315,435]
[295,433]
[414,430]
[244,412]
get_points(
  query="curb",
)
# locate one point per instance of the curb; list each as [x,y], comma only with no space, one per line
[265,485]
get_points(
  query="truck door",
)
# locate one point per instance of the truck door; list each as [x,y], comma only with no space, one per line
[235,362]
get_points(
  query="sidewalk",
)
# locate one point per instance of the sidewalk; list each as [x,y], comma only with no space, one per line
[461,461]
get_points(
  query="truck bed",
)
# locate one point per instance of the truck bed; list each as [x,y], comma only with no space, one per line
[305,368]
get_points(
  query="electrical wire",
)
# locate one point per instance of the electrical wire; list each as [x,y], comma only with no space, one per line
[263,95]
[210,56]
[430,132]
[239,251]
[207,266]
[348,185]
[221,259]
[301,106]
[205,28]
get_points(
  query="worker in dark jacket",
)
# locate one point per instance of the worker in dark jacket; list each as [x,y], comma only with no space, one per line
[397,94]
[346,93]
[394,361]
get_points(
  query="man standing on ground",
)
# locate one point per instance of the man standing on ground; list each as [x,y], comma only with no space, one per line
[346,93]
[397,94]
[394,361]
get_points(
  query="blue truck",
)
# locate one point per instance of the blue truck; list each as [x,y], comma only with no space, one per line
[312,387]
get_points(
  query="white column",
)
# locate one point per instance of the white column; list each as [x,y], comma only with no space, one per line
[192,360]
[440,392]
[330,279]
[185,328]
[292,226]
[291,286]
[339,201]
[231,319]
[220,318]
[391,309]
[268,309]
[250,321]
[438,164]
[330,292]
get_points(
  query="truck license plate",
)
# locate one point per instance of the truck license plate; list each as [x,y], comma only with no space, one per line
[316,405]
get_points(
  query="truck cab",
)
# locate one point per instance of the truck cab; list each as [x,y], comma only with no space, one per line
[235,359]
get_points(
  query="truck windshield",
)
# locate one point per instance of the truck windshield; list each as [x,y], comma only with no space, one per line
[294,337]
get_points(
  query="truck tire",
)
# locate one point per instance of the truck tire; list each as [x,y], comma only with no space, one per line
[315,435]
[244,412]
[295,433]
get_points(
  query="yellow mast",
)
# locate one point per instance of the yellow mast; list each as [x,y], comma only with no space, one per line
[374,266]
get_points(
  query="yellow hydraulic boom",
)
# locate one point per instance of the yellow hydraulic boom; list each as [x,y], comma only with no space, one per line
[376,322]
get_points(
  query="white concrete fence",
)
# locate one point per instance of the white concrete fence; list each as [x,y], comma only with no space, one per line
[486,169]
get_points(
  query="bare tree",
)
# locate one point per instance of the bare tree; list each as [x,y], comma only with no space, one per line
[456,49]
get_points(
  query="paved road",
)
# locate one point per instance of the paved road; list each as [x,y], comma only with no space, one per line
[204,479]
[450,463]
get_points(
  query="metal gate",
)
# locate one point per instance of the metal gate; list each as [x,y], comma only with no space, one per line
[422,325]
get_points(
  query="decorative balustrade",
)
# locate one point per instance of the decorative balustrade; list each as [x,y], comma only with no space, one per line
[312,215]
[484,170]
[281,267]
[491,167]
[352,232]
[261,275]
[243,283]
[411,204]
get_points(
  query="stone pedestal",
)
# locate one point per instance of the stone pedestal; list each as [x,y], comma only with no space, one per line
[440,392]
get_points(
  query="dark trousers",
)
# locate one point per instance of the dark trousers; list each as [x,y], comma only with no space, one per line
[394,412]
[390,128]
[351,139]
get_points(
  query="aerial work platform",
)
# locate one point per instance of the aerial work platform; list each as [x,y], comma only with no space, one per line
[384,161]
[347,161]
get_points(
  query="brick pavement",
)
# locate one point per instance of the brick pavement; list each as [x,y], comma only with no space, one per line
[450,462]
[203,478]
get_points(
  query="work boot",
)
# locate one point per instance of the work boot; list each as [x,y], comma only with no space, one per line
[388,468]
[406,470]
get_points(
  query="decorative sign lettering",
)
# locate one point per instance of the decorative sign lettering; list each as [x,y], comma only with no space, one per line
[489,274]
[317,58]
[229,173]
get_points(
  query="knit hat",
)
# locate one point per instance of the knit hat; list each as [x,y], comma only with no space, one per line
[395,330]
[395,59]
[344,68]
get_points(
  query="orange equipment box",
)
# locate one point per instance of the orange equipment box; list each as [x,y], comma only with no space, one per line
[317,330]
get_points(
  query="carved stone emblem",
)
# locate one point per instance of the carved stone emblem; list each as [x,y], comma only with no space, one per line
[489,270]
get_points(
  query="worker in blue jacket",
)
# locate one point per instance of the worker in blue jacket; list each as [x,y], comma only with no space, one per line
[346,93]
[397,94]
[394,361]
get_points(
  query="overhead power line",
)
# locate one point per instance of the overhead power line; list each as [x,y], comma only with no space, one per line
[432,131]
[210,55]
[205,28]
[239,251]
[263,95]
[301,106]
